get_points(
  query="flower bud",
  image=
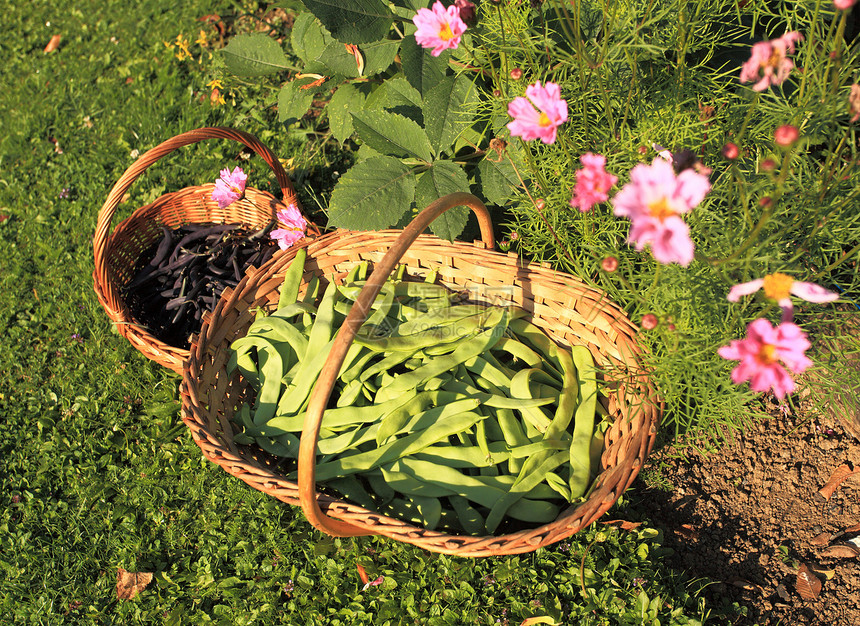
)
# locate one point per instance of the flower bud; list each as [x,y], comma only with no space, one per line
[730,151]
[786,135]
[516,73]
[609,264]
[649,321]
[768,165]
[540,203]
[467,12]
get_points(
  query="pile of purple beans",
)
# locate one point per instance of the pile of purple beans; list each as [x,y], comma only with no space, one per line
[182,276]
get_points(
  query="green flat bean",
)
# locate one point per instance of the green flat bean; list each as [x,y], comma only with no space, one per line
[293,279]
[393,450]
[528,478]
[583,428]
[470,519]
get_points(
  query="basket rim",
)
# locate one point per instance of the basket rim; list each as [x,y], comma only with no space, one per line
[604,491]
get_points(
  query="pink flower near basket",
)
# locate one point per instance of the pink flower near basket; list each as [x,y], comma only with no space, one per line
[765,354]
[230,187]
[593,182]
[541,122]
[294,228]
[653,201]
[439,28]
[768,63]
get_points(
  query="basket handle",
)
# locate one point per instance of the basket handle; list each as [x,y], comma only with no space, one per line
[151,156]
[357,314]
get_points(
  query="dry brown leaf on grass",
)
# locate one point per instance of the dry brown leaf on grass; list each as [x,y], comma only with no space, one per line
[53,44]
[807,584]
[622,524]
[839,475]
[129,584]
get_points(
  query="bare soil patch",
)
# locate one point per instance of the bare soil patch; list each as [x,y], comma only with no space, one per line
[756,517]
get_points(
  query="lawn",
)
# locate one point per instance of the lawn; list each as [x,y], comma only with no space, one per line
[98,474]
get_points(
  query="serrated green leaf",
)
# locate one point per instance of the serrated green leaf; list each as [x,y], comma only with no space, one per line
[422,70]
[442,178]
[498,179]
[372,195]
[447,112]
[347,98]
[254,55]
[379,55]
[398,96]
[293,101]
[392,134]
[309,38]
[338,60]
[353,21]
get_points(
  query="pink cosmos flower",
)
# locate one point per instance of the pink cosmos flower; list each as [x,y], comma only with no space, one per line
[592,182]
[439,28]
[230,187]
[762,351]
[530,123]
[779,287]
[294,227]
[654,200]
[768,63]
[843,5]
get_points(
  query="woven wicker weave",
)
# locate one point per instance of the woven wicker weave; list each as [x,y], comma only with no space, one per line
[117,252]
[567,309]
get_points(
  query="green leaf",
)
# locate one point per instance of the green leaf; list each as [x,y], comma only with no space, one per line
[309,39]
[353,21]
[293,101]
[422,70]
[254,55]
[379,55]
[392,134]
[339,60]
[398,96]
[499,180]
[372,195]
[346,99]
[446,110]
[442,178]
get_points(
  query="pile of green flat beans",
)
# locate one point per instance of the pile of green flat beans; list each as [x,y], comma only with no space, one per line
[447,414]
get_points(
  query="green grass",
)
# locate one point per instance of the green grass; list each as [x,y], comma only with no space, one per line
[97,471]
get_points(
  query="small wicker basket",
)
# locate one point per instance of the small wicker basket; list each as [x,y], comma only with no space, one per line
[117,252]
[567,309]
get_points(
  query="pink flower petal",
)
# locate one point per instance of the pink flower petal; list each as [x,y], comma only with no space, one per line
[541,122]
[744,289]
[812,292]
[438,28]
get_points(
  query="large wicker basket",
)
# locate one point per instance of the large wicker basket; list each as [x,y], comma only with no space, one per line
[563,305]
[117,252]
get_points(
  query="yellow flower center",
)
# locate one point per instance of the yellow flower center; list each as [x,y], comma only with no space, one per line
[661,209]
[544,120]
[236,190]
[767,354]
[777,286]
[445,33]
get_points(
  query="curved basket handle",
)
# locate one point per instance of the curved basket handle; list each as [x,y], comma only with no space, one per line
[357,314]
[151,156]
